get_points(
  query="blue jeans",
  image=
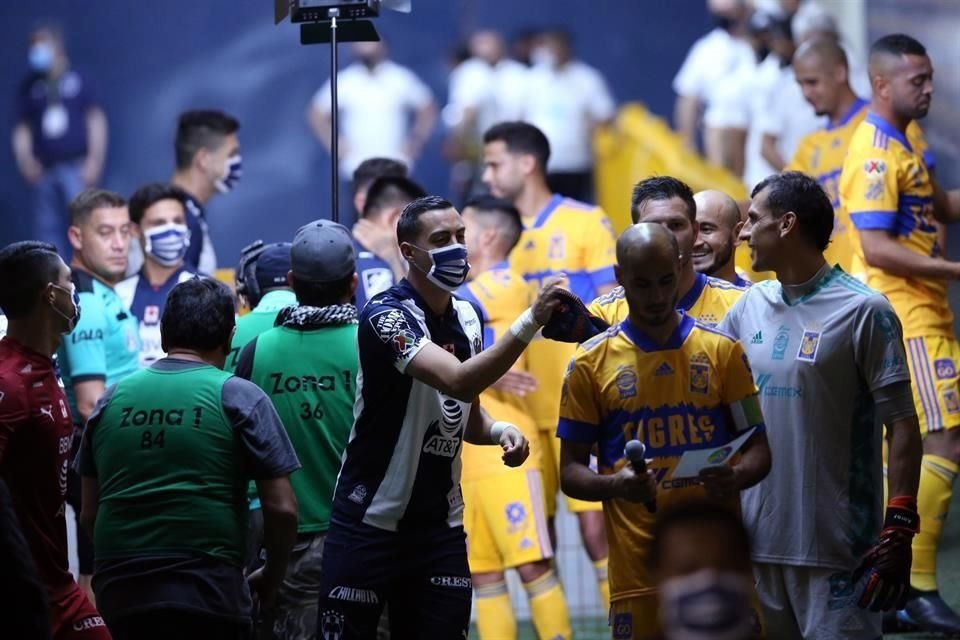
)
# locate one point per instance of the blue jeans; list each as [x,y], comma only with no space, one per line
[59,185]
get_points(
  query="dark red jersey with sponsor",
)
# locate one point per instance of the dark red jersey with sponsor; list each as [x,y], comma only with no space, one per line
[36,432]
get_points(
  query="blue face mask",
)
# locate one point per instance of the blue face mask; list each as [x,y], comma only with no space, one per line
[450,267]
[167,244]
[41,56]
[232,171]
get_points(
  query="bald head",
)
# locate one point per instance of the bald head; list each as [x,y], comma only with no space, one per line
[644,240]
[648,269]
[718,216]
[718,206]
[823,51]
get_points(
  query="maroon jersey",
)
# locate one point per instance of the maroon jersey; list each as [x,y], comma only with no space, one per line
[35,436]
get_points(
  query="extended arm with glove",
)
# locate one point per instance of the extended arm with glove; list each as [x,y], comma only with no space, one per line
[887,565]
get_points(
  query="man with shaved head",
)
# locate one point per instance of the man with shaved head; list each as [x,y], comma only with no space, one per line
[888,189]
[715,249]
[675,385]
[823,73]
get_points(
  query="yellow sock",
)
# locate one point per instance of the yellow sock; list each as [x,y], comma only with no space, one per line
[933,500]
[548,607]
[495,619]
[600,566]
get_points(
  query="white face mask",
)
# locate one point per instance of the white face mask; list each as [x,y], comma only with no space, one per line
[707,605]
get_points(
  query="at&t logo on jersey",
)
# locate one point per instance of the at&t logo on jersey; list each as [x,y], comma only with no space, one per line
[446,443]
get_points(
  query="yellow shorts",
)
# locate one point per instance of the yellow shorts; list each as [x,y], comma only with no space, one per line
[550,466]
[933,368]
[636,618]
[505,520]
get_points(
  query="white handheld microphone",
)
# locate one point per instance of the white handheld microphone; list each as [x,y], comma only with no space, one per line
[636,453]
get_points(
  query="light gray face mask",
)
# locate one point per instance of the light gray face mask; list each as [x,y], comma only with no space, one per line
[707,605]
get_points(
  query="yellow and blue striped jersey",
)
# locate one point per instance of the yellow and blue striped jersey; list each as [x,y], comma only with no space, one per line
[707,302]
[886,186]
[501,296]
[567,237]
[820,155]
[621,385]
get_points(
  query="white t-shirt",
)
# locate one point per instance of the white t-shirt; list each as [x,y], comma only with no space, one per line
[564,103]
[375,109]
[710,64]
[498,93]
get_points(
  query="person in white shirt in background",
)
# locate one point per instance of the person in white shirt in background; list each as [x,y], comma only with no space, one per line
[375,98]
[710,65]
[567,100]
[738,101]
[486,88]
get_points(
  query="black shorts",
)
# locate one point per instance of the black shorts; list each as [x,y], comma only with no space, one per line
[422,575]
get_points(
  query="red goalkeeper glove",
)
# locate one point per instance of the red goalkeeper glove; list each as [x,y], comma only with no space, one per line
[887,564]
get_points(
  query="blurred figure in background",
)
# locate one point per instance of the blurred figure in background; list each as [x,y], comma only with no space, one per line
[208,162]
[262,284]
[379,264]
[567,100]
[485,89]
[376,98]
[504,515]
[158,221]
[60,136]
[367,172]
[712,61]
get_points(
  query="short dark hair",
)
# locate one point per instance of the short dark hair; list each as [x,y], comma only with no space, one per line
[199,315]
[898,44]
[661,188]
[322,294]
[798,192]
[373,168]
[201,129]
[507,216]
[408,226]
[150,194]
[25,269]
[703,514]
[90,200]
[391,191]
[523,138]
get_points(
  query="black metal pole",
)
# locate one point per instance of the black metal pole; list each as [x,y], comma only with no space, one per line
[334,117]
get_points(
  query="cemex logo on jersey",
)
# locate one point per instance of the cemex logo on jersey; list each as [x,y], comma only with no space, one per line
[351,594]
[773,391]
